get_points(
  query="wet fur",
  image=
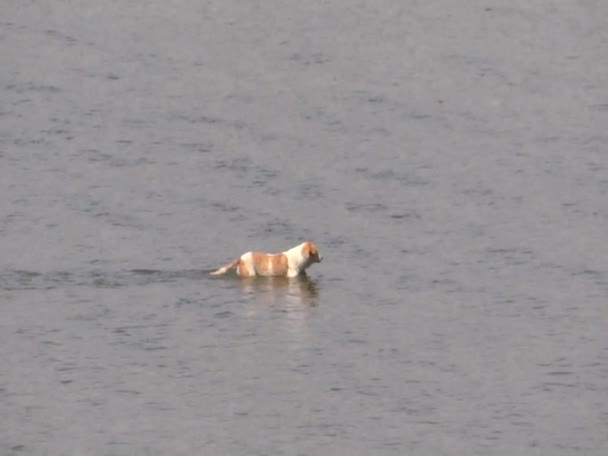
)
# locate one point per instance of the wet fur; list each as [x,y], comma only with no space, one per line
[289,263]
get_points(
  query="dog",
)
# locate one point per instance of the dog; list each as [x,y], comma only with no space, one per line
[290,263]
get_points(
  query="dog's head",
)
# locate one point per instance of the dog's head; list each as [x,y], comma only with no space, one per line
[310,252]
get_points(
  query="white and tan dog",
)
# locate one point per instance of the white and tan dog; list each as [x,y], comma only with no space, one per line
[290,263]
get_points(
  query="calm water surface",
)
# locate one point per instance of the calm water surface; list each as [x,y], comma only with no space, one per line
[449,160]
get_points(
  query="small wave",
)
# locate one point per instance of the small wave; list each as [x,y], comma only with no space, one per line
[34,280]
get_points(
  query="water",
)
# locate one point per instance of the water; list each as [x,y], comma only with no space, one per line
[449,161]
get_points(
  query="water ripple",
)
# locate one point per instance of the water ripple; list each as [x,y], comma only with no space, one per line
[33,280]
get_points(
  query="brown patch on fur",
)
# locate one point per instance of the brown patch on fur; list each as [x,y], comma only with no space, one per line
[243,270]
[269,265]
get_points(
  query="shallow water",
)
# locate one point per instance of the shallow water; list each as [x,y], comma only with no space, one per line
[449,161]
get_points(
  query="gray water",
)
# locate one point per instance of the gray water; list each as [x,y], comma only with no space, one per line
[448,158]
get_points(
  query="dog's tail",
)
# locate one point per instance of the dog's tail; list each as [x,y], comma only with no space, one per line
[225,269]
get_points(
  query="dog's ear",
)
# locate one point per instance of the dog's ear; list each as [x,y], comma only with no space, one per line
[312,249]
[306,249]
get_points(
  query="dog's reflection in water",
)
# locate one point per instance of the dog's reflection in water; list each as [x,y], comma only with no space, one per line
[292,293]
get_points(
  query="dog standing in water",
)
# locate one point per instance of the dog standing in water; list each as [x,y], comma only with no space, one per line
[290,263]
